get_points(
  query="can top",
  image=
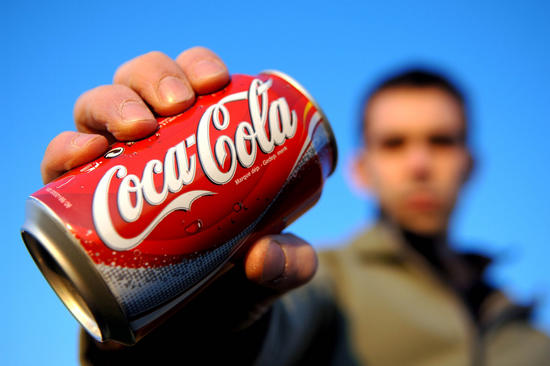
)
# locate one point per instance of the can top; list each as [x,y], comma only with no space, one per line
[306,94]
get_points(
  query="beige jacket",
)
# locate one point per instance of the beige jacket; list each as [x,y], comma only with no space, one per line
[398,312]
[374,302]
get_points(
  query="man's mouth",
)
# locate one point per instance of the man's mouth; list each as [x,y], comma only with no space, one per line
[422,201]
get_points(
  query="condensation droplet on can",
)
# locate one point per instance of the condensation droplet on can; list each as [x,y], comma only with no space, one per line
[194,227]
[237,207]
[154,137]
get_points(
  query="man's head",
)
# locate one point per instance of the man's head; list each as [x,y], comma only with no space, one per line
[415,159]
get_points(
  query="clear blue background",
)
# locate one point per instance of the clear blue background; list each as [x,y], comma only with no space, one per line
[53,51]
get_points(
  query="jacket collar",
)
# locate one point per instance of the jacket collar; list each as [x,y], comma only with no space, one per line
[383,241]
[380,242]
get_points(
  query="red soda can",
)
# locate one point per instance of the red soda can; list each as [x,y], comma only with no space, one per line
[130,236]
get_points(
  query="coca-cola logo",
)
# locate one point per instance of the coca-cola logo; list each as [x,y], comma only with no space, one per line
[270,125]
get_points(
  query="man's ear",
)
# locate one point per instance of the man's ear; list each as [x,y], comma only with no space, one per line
[359,172]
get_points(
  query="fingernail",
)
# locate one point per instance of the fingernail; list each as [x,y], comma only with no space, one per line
[82,139]
[207,68]
[134,111]
[172,90]
[274,265]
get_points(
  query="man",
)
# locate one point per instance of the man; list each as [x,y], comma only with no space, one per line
[398,295]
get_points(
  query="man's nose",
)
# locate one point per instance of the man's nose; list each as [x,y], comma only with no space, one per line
[419,162]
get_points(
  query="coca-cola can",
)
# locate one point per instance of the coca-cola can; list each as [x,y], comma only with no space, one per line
[127,238]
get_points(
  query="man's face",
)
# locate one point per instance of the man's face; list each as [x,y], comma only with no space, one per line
[415,160]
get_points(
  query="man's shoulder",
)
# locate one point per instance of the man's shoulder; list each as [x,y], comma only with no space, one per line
[349,261]
[373,242]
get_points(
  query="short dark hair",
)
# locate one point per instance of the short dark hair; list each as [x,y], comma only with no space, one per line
[414,77]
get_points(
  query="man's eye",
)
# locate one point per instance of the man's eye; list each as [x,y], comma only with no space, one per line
[444,140]
[392,143]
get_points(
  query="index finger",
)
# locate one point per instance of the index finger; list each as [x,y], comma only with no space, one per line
[204,69]
[68,150]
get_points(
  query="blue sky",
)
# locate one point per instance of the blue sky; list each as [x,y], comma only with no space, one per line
[53,51]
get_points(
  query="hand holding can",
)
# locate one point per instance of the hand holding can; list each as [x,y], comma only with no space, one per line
[153,230]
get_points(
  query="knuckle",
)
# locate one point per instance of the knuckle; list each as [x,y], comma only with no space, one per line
[63,136]
[80,103]
[110,95]
[45,164]
[154,60]
[125,72]
[153,55]
[143,73]
[199,49]
[88,97]
[105,89]
[202,51]
[60,140]
[86,105]
[45,172]
[120,73]
[55,148]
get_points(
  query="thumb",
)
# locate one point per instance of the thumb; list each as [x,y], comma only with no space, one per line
[280,262]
